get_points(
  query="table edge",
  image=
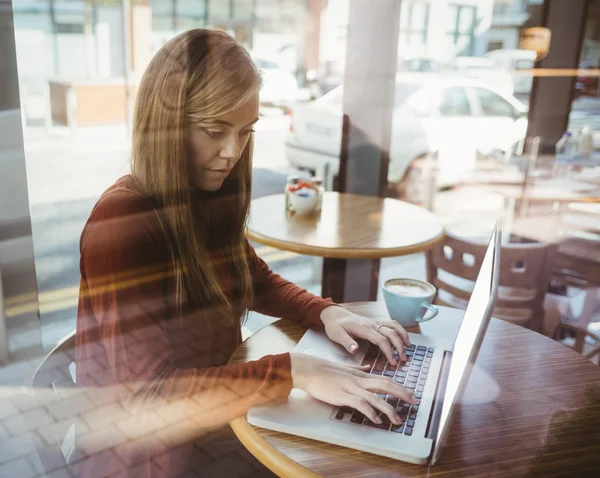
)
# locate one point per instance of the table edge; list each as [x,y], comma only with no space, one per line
[271,457]
[345,252]
[275,460]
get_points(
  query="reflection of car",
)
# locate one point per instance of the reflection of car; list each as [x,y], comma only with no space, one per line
[484,70]
[279,88]
[513,61]
[437,116]
[586,85]
[419,64]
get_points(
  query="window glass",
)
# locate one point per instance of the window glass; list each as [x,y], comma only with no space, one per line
[242,9]
[419,16]
[191,8]
[493,104]
[467,20]
[451,18]
[218,9]
[455,102]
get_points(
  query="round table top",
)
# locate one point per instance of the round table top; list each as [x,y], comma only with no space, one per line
[531,408]
[349,226]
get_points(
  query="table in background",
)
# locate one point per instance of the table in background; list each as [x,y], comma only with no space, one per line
[520,380]
[352,233]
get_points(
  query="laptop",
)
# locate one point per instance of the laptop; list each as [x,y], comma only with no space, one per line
[437,370]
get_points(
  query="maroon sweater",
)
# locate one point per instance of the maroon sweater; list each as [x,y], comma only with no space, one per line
[164,371]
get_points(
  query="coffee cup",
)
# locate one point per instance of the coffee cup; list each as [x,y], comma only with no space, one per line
[408,301]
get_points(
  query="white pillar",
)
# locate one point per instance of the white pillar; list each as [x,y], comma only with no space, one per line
[370,86]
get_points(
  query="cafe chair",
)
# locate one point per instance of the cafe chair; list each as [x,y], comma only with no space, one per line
[571,335]
[577,274]
[525,270]
[56,373]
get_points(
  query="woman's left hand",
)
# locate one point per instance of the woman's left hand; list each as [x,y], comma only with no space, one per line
[343,327]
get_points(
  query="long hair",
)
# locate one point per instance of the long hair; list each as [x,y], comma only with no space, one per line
[198,75]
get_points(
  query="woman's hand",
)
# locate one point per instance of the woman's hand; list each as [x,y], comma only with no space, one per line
[343,327]
[347,386]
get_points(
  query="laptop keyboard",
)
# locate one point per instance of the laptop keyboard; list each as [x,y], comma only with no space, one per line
[412,375]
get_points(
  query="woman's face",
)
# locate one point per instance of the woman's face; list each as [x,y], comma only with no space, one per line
[215,146]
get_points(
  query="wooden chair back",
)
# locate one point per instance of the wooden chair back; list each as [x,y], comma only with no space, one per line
[525,269]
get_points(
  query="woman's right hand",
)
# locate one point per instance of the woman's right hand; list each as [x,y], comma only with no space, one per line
[342,385]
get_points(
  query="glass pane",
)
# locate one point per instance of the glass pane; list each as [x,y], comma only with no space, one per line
[493,104]
[464,45]
[242,9]
[419,17]
[451,18]
[466,23]
[218,9]
[404,16]
[190,8]
[455,103]
[162,7]
[268,16]
[416,38]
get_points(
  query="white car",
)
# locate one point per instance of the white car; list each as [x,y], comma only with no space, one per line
[279,87]
[434,118]
[484,70]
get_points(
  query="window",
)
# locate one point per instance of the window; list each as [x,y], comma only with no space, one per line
[495,45]
[218,9]
[190,14]
[414,19]
[461,21]
[455,102]
[162,14]
[69,17]
[242,9]
[493,104]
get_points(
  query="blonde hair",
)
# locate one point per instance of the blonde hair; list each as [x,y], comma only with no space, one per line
[198,75]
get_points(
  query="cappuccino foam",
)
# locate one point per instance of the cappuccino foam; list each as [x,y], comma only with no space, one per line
[409,290]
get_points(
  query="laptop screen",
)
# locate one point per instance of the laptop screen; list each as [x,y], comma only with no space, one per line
[469,332]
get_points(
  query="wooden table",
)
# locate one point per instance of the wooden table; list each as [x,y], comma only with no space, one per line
[351,232]
[514,403]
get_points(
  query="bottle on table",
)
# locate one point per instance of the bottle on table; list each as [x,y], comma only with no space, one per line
[586,142]
[566,149]
[566,145]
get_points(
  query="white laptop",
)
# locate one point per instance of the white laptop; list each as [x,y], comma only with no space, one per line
[438,371]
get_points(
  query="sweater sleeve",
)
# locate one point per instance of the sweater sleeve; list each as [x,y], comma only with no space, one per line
[277,297]
[125,262]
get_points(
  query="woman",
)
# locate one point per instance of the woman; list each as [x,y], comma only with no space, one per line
[167,276]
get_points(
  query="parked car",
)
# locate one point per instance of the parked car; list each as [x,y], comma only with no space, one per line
[430,118]
[513,61]
[420,65]
[483,69]
[279,88]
